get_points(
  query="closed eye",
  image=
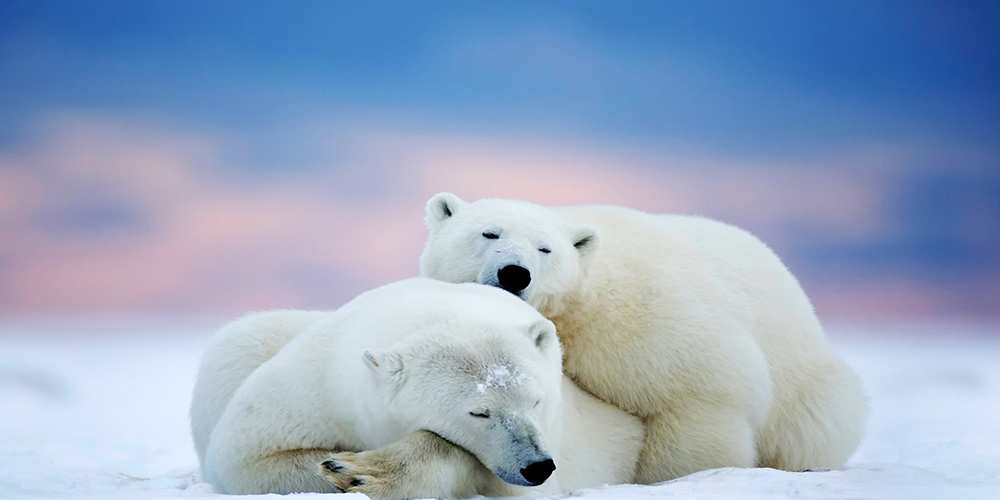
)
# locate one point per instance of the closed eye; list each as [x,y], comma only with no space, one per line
[485,414]
[490,236]
[544,250]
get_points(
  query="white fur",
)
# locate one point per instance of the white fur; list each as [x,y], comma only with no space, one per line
[277,392]
[694,325]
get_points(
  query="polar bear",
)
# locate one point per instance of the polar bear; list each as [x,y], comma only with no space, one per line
[285,401]
[693,325]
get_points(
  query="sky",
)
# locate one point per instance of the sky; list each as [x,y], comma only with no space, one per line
[216,157]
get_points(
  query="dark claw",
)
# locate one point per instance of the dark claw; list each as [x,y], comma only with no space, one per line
[332,466]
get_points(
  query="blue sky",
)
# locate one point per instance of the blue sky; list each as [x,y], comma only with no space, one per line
[768,76]
[899,99]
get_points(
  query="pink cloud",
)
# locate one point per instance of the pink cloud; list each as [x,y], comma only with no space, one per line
[217,243]
[213,243]
[842,194]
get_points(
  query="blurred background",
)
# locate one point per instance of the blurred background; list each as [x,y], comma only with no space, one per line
[181,159]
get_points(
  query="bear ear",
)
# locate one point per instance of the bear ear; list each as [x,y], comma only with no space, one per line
[387,365]
[584,239]
[440,208]
[542,333]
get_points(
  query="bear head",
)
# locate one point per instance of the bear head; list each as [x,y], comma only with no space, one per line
[493,392]
[526,249]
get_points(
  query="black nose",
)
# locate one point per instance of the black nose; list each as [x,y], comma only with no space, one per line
[538,472]
[513,278]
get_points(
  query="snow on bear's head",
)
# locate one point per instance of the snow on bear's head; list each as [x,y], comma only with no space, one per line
[526,249]
[495,393]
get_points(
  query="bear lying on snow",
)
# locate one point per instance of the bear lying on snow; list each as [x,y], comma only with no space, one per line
[693,325]
[280,393]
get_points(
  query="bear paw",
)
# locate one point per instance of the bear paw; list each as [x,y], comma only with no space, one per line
[361,472]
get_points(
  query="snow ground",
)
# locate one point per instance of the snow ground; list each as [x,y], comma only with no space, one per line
[104,415]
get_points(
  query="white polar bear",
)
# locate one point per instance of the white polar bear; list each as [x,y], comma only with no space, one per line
[693,325]
[281,392]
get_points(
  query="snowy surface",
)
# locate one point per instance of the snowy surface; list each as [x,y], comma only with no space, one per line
[103,414]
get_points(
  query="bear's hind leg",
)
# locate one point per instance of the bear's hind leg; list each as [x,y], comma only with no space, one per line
[816,426]
[683,442]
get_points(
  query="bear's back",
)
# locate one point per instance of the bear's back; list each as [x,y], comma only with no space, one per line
[756,285]
[409,305]
[235,352]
